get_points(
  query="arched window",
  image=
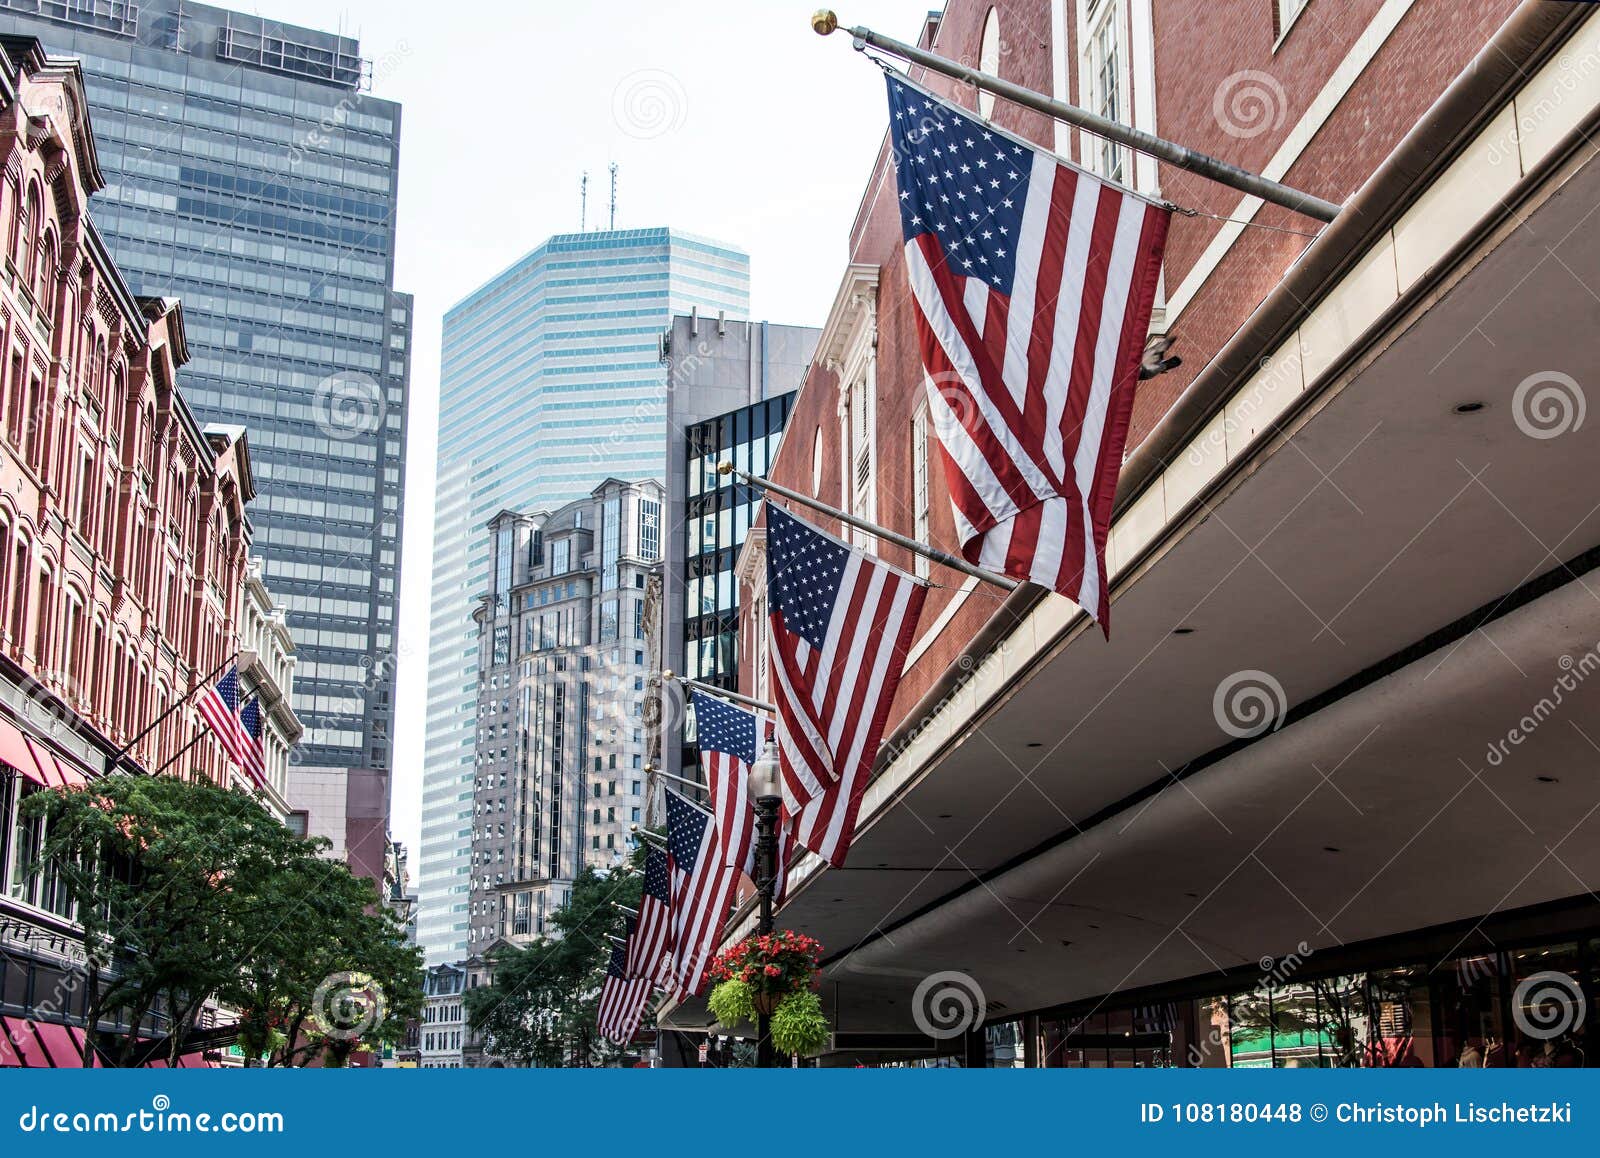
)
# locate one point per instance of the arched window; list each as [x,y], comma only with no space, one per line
[45,276]
[32,212]
[816,464]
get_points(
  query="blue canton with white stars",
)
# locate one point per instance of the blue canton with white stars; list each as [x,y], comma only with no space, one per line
[804,572]
[228,689]
[251,716]
[618,966]
[655,876]
[686,828]
[721,727]
[959,181]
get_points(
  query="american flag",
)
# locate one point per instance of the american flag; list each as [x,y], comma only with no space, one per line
[650,942]
[702,890]
[726,736]
[255,760]
[219,707]
[1033,282]
[840,624]
[622,999]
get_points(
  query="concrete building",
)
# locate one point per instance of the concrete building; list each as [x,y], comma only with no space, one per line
[249,171]
[551,381]
[123,533]
[443,1027]
[266,674]
[1325,797]
[558,764]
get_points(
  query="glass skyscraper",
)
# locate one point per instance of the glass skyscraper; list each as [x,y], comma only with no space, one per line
[249,173]
[552,381]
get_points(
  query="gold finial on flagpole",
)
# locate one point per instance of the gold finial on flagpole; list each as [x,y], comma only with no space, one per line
[824,21]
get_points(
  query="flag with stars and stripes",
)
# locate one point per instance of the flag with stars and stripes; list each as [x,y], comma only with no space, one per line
[255,752]
[622,999]
[726,735]
[702,890]
[650,942]
[840,623]
[1033,283]
[219,707]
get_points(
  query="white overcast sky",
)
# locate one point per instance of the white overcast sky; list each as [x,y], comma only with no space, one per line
[745,126]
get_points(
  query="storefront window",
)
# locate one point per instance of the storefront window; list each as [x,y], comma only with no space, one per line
[1551,1013]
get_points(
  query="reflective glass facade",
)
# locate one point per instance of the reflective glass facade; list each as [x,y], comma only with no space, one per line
[551,382]
[718,513]
[249,175]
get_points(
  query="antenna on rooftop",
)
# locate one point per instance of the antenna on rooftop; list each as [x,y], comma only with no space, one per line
[613,195]
[583,203]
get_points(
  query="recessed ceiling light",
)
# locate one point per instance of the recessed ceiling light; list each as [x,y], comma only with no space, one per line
[1468,407]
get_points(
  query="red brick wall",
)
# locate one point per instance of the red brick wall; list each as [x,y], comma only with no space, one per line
[84,371]
[1199,44]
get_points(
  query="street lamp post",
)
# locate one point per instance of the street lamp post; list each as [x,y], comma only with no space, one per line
[763,784]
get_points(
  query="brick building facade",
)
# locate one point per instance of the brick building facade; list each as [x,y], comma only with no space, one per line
[123,534]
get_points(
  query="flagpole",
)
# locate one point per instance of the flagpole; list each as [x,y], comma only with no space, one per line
[624,909]
[824,22]
[116,761]
[954,562]
[686,782]
[649,837]
[721,693]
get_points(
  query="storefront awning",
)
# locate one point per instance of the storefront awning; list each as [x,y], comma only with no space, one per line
[35,761]
[44,1045]
[40,1045]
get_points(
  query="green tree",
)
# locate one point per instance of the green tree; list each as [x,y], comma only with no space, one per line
[188,893]
[541,1006]
[334,977]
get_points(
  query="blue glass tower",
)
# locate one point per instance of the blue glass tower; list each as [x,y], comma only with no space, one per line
[551,382]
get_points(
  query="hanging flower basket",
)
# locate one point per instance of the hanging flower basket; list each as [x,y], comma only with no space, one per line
[772,975]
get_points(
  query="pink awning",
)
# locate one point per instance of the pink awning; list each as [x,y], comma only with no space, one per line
[64,1053]
[9,1057]
[36,761]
